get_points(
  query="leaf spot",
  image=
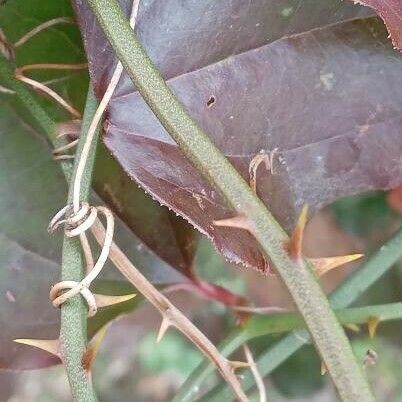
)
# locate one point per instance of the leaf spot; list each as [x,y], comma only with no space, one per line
[211,101]
[328,81]
[287,12]
[10,297]
[198,198]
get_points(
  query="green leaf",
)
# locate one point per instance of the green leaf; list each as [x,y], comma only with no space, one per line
[167,235]
[32,189]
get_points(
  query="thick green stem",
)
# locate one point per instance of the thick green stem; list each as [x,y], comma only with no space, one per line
[73,330]
[347,293]
[326,332]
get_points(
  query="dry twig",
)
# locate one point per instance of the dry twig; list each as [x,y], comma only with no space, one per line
[47,24]
[19,74]
[257,376]
[171,316]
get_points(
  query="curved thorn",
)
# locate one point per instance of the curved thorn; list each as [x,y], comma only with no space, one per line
[107,300]
[49,345]
[239,221]
[326,264]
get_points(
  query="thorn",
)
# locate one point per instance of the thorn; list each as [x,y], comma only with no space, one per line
[323,369]
[372,325]
[94,345]
[49,345]
[163,328]
[326,264]
[106,300]
[296,239]
[262,156]
[234,364]
[353,327]
[239,221]
[370,358]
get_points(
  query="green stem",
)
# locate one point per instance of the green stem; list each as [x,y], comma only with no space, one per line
[259,326]
[347,293]
[32,107]
[73,330]
[25,96]
[327,333]
[264,325]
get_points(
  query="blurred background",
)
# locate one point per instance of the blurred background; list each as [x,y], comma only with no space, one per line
[132,367]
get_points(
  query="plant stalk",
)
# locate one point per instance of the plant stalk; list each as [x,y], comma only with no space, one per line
[326,332]
[259,326]
[347,293]
[73,329]
[81,387]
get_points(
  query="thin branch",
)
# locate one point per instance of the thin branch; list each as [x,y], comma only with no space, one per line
[171,316]
[73,331]
[37,85]
[5,90]
[52,66]
[254,370]
[19,74]
[6,48]
[47,24]
[32,106]
[327,333]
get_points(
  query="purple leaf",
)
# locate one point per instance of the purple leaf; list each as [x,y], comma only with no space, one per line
[391,12]
[317,83]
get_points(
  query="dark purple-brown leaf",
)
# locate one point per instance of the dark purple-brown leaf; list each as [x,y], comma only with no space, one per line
[167,235]
[317,85]
[391,12]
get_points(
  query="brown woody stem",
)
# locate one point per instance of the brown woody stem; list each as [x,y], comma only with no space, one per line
[171,316]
